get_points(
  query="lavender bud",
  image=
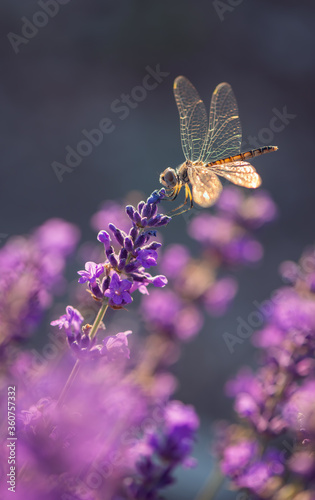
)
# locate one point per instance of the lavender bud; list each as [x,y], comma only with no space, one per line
[154,220]
[105,284]
[85,341]
[109,251]
[121,264]
[144,221]
[133,233]
[153,246]
[165,220]
[140,206]
[146,210]
[154,210]
[140,240]
[112,260]
[132,266]
[138,277]
[117,233]
[137,218]
[159,281]
[130,211]
[123,254]
[104,237]
[128,244]
[95,289]
[154,197]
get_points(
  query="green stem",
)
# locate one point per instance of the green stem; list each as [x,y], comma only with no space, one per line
[76,367]
[66,388]
[212,486]
[98,319]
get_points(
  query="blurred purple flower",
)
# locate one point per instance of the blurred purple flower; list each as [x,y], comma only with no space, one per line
[174,260]
[71,321]
[222,236]
[116,346]
[236,458]
[280,396]
[218,298]
[31,274]
[110,212]
[56,236]
[299,410]
[293,311]
[302,463]
[176,441]
[165,312]
[252,211]
[163,449]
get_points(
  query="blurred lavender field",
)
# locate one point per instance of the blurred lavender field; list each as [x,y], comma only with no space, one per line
[74,75]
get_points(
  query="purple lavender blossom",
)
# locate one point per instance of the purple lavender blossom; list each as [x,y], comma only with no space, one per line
[163,449]
[118,291]
[112,348]
[71,321]
[147,258]
[31,274]
[278,400]
[92,271]
[125,267]
[78,340]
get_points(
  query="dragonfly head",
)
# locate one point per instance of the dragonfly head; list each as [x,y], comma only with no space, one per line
[169,178]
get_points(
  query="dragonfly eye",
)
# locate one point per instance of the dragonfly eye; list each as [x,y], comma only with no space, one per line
[168,178]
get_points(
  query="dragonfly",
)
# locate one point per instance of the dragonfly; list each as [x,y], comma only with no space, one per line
[211,149]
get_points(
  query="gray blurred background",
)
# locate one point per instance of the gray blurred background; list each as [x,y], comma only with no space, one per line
[71,73]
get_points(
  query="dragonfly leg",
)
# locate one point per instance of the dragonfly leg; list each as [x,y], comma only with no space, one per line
[187,196]
[174,192]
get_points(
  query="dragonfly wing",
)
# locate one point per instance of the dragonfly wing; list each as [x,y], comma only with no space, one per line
[241,173]
[224,135]
[206,186]
[193,118]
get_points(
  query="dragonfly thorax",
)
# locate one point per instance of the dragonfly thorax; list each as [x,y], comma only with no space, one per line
[182,172]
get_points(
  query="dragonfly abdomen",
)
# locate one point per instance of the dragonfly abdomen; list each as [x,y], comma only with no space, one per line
[245,156]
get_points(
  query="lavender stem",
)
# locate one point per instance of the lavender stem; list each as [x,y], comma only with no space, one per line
[76,367]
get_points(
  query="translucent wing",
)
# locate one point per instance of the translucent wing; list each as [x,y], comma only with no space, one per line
[224,135]
[241,173]
[193,118]
[206,186]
